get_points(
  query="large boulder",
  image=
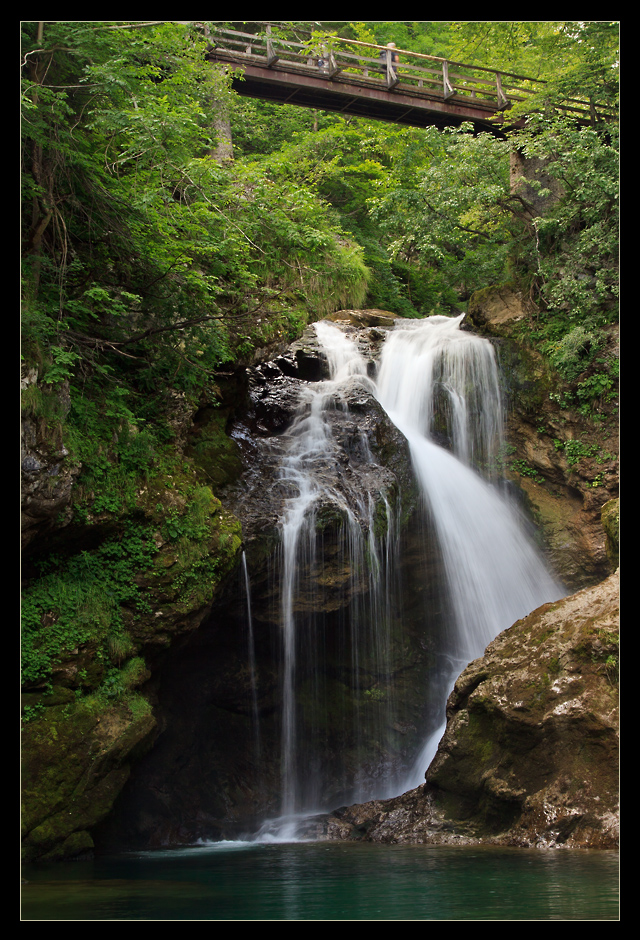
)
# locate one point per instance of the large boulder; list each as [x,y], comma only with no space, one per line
[530,752]
[75,761]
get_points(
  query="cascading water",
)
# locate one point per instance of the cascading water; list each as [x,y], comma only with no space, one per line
[311,490]
[430,370]
[437,384]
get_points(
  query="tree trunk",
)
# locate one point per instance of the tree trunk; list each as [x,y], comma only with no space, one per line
[223,150]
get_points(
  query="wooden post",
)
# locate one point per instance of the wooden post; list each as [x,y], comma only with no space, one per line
[272,58]
[392,78]
[334,68]
[503,101]
[446,85]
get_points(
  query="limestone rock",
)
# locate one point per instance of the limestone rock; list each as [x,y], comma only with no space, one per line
[522,170]
[494,308]
[370,456]
[530,752]
[368,317]
[610,516]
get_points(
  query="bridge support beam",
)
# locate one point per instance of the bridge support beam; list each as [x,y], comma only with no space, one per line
[340,94]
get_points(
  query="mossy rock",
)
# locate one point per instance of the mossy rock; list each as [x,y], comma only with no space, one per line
[77,844]
[212,450]
[75,761]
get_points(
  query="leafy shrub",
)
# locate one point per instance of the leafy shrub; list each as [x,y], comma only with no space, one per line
[78,603]
[574,352]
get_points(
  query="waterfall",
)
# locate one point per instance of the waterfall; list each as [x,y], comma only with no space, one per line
[309,448]
[439,386]
[495,575]
[310,453]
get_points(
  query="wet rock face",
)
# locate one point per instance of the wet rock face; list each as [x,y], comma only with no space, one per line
[203,776]
[215,769]
[369,454]
[530,752]
[208,773]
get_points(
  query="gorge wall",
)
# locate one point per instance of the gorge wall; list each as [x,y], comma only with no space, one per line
[565,463]
[203,764]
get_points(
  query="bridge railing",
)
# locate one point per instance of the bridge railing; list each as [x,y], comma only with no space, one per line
[382,67]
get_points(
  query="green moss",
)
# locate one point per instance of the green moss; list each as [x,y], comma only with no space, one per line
[476,735]
[78,603]
[207,541]
[75,760]
[329,517]
[119,646]
[541,637]
[213,451]
[78,843]
[555,667]
[92,610]
[539,690]
[381,515]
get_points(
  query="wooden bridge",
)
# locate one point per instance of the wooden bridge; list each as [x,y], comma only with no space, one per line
[370,81]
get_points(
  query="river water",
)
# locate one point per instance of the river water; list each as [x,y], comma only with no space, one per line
[328,881]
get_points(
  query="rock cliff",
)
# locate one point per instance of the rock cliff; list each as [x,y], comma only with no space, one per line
[218,787]
[561,455]
[141,693]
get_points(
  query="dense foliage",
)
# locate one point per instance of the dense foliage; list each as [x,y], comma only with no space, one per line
[141,250]
[139,245]
[151,264]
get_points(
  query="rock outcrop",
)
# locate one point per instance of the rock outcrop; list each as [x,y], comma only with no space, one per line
[530,752]
[73,769]
[218,787]
[563,461]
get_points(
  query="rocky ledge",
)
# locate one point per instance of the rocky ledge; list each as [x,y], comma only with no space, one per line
[530,752]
